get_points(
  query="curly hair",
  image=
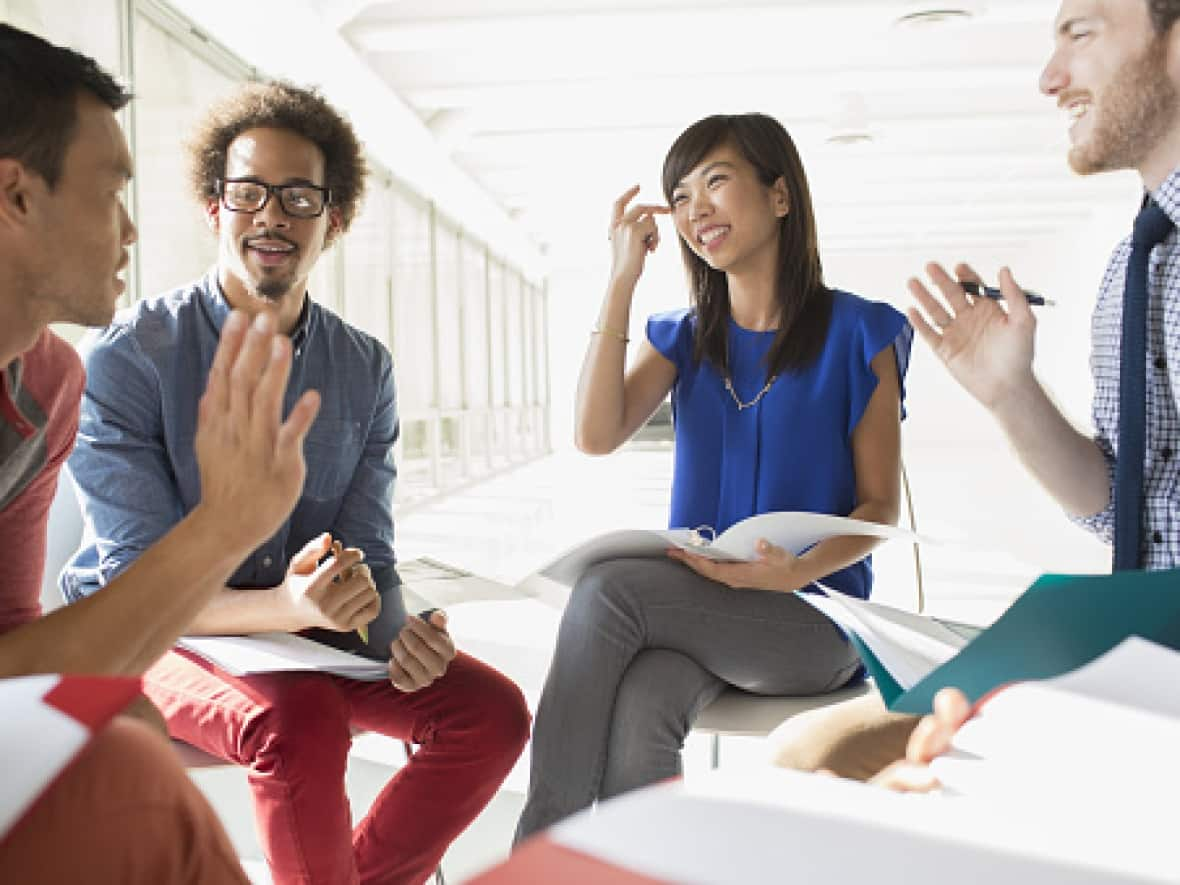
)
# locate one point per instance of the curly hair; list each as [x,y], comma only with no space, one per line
[280,105]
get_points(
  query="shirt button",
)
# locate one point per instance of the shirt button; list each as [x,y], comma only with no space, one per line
[1166,454]
[1161,363]
[1157,538]
[266,561]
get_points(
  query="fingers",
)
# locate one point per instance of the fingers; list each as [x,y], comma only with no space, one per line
[266,412]
[289,442]
[307,560]
[1018,307]
[951,708]
[965,273]
[949,287]
[252,359]
[620,205]
[769,553]
[928,333]
[420,653]
[322,577]
[906,777]
[233,333]
[933,735]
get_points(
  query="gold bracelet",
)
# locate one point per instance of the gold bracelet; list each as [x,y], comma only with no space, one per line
[603,330]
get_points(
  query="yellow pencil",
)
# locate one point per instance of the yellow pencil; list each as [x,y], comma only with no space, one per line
[337,549]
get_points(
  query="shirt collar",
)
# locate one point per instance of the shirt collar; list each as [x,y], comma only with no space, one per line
[1167,196]
[217,308]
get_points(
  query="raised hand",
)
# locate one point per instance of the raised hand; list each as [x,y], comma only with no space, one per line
[250,459]
[336,595]
[988,350]
[633,234]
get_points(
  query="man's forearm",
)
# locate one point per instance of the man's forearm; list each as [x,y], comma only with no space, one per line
[136,618]
[1068,464]
[243,611]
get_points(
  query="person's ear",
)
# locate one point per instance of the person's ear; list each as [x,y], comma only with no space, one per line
[335,225]
[15,192]
[213,214]
[780,197]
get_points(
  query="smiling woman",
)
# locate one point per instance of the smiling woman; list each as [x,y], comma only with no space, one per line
[765,350]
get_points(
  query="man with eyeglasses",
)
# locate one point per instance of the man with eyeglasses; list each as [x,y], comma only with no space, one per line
[280,175]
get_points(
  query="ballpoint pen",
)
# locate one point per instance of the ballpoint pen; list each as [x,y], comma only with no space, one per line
[1033,298]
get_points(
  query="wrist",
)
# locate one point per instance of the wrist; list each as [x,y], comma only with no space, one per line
[216,539]
[1018,404]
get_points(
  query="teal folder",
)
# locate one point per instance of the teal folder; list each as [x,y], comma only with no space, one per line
[1058,624]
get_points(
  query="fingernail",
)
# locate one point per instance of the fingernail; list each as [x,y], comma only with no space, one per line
[262,322]
[235,321]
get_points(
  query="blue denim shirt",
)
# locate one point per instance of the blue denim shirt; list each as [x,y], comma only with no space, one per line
[136,470]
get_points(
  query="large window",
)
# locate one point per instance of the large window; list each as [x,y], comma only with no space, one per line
[173,87]
[466,330]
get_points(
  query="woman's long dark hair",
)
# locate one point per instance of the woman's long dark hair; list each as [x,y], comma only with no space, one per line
[804,302]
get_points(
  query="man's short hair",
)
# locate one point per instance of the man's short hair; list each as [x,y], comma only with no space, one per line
[280,105]
[1163,14]
[39,88]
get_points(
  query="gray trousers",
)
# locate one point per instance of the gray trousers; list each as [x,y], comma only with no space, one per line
[644,645]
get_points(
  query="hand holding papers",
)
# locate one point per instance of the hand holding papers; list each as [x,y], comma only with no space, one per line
[793,531]
[1060,623]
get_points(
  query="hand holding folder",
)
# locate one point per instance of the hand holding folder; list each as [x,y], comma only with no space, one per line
[1058,624]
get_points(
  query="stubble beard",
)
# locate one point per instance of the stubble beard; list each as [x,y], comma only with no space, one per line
[1135,111]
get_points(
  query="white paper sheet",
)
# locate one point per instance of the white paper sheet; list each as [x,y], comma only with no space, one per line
[274,652]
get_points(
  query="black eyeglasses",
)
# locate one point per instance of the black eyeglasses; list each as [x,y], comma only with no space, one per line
[296,200]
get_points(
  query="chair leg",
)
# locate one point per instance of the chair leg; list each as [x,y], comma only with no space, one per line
[438,872]
[715,751]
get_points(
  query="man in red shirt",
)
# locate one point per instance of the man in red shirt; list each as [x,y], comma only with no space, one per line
[124,811]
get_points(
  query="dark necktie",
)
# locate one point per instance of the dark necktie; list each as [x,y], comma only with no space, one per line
[1152,225]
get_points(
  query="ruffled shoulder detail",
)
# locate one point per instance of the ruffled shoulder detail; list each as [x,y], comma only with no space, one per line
[671,334]
[871,326]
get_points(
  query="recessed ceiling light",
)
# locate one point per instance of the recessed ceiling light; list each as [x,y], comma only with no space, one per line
[849,121]
[928,13]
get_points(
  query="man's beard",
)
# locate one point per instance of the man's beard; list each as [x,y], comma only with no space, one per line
[273,290]
[1135,110]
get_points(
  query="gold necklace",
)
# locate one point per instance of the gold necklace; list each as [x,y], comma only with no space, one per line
[761,393]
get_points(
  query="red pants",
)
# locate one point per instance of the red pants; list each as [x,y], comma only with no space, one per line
[123,813]
[293,732]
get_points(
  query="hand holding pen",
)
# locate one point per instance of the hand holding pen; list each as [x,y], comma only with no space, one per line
[978,290]
[988,348]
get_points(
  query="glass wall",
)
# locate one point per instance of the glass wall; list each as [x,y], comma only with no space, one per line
[466,328]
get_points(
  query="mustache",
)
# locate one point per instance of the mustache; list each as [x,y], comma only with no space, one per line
[269,235]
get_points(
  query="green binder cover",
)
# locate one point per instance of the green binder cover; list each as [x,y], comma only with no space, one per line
[1058,624]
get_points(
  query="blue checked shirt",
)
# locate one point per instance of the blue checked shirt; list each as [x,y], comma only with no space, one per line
[1161,472]
[136,470]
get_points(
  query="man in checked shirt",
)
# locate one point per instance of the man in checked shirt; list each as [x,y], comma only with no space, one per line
[1115,70]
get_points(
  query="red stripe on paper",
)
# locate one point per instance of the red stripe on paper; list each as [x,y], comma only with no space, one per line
[92,700]
[542,860]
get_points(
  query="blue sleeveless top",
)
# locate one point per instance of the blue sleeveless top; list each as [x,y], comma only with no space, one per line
[793,449]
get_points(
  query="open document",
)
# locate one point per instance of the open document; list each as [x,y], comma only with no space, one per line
[1058,624]
[794,531]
